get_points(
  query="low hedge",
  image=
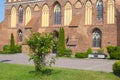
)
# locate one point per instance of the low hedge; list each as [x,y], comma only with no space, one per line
[116,68]
[114,52]
[7,50]
[81,55]
[68,53]
[18,48]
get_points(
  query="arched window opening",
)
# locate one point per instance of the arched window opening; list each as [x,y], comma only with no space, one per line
[96,36]
[57,14]
[99,10]
[88,13]
[9,0]
[45,16]
[111,12]
[36,8]
[67,14]
[20,37]
[20,14]
[13,17]
[28,15]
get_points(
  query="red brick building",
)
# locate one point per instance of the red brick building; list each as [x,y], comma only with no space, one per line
[87,23]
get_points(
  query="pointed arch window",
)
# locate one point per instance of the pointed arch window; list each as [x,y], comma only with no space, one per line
[45,16]
[96,36]
[88,13]
[99,9]
[57,14]
[78,4]
[20,14]
[28,15]
[13,17]
[36,8]
[67,14]
[110,12]
[9,0]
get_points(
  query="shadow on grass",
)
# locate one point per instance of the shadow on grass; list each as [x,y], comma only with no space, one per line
[118,75]
[45,72]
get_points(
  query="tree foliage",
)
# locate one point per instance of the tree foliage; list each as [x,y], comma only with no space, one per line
[61,43]
[12,43]
[40,45]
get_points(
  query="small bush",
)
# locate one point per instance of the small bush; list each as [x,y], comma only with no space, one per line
[115,55]
[60,53]
[18,49]
[112,49]
[81,55]
[114,52]
[100,51]
[89,51]
[40,44]
[68,53]
[116,68]
[6,49]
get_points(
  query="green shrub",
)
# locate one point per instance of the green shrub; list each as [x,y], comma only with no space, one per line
[116,68]
[60,53]
[6,49]
[40,44]
[111,49]
[81,55]
[18,48]
[12,48]
[115,55]
[89,51]
[68,53]
[114,52]
[100,51]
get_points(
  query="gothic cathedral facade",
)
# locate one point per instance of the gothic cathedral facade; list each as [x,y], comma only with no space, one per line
[87,23]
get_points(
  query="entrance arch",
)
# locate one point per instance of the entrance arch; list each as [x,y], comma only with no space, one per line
[55,36]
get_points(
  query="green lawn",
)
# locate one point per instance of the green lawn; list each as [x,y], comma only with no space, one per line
[23,72]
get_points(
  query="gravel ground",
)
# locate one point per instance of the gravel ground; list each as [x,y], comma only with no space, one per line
[104,65]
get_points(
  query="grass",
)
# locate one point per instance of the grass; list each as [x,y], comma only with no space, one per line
[24,72]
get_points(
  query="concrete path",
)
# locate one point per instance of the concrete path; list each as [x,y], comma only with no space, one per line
[83,64]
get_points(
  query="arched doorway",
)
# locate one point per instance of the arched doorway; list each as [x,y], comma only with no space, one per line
[96,38]
[55,36]
[20,35]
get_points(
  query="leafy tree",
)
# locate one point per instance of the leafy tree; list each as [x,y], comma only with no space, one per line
[40,45]
[12,43]
[61,43]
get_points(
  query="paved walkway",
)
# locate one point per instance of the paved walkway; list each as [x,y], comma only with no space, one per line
[83,64]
